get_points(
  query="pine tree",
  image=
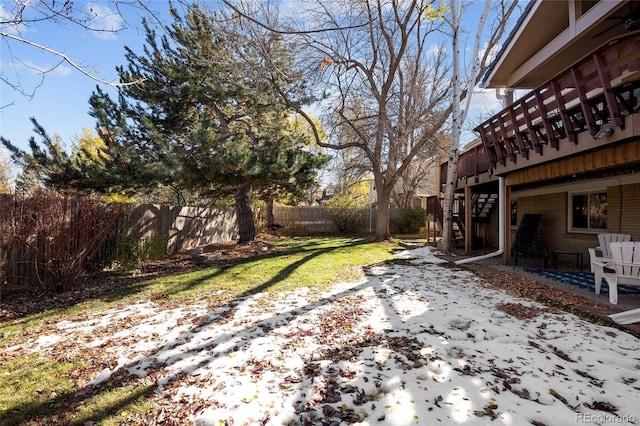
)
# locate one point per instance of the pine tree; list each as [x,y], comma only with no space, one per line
[206,117]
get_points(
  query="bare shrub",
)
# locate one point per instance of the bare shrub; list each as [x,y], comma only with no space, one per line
[51,241]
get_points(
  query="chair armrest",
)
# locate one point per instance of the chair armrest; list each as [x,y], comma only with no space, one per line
[632,264]
[595,258]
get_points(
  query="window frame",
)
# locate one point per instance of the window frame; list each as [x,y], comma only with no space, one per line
[570,227]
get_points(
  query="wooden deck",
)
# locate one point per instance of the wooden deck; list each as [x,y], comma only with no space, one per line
[584,108]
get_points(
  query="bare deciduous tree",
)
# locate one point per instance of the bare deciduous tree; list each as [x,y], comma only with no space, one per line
[386,78]
[5,174]
[386,85]
[464,79]
[421,176]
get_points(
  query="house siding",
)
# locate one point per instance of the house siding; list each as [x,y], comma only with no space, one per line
[548,145]
[489,231]
[622,201]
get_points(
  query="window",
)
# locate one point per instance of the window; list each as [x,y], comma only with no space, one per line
[588,211]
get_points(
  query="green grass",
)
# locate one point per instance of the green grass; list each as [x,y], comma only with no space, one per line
[31,385]
[316,263]
[38,386]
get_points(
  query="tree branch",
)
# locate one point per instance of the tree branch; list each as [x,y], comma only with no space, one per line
[289,32]
[68,60]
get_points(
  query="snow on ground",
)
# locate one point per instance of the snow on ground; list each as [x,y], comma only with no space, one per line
[410,344]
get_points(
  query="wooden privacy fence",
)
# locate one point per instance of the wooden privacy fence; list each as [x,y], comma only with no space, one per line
[183,227]
[299,220]
[317,220]
[53,241]
[43,239]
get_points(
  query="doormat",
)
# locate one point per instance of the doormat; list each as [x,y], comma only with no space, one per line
[583,280]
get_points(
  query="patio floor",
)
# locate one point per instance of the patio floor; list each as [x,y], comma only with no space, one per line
[568,278]
[581,280]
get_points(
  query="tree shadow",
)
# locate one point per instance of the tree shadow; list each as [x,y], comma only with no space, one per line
[327,407]
[60,405]
[58,409]
[114,287]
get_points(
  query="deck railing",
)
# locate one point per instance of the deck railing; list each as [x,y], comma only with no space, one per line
[594,94]
[471,164]
[601,88]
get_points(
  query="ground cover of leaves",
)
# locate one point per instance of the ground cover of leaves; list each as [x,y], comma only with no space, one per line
[411,343]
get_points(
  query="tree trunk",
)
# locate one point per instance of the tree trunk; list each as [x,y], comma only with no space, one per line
[458,114]
[447,208]
[244,214]
[457,119]
[382,215]
[269,208]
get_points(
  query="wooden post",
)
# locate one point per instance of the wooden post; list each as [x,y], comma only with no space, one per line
[468,226]
[506,256]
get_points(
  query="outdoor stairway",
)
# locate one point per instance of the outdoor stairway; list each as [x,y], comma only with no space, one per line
[458,232]
[481,207]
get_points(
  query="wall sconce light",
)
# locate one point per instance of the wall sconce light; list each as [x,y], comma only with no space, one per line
[603,133]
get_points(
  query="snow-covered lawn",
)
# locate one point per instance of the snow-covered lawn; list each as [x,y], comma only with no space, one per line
[410,344]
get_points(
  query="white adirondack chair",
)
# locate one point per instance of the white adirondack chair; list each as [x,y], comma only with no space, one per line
[626,264]
[601,255]
[605,251]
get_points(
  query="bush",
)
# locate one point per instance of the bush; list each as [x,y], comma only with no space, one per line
[52,241]
[132,253]
[259,208]
[348,212]
[411,221]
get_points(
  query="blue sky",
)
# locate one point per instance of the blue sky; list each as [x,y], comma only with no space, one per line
[60,99]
